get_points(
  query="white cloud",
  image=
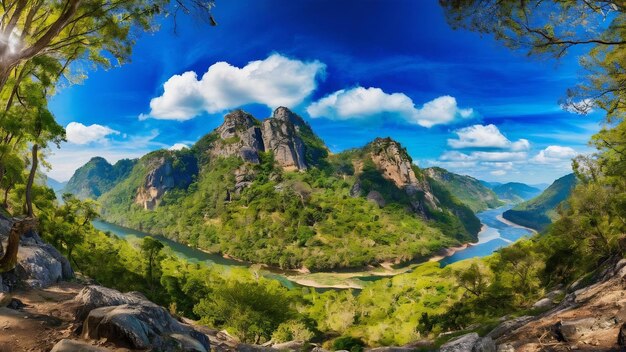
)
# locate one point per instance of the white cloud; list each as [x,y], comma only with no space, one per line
[498,173]
[554,154]
[489,136]
[480,156]
[275,81]
[179,146]
[78,133]
[362,103]
[441,110]
[582,107]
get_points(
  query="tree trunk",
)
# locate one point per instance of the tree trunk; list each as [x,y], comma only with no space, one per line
[9,259]
[31,180]
[5,203]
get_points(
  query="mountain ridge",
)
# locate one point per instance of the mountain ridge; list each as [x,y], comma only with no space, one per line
[302,202]
[541,211]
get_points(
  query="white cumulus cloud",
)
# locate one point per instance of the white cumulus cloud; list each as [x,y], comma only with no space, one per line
[179,146]
[78,133]
[274,81]
[489,136]
[481,156]
[554,154]
[362,103]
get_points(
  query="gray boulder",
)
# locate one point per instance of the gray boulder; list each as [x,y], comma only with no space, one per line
[92,297]
[66,345]
[469,343]
[508,326]
[38,263]
[37,268]
[543,303]
[463,343]
[130,320]
[485,344]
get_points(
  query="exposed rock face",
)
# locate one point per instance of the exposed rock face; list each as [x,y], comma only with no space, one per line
[240,135]
[395,164]
[92,297]
[38,263]
[162,177]
[590,318]
[244,136]
[280,136]
[130,320]
[469,343]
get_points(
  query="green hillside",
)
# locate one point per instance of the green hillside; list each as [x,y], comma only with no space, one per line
[467,189]
[540,211]
[269,192]
[97,177]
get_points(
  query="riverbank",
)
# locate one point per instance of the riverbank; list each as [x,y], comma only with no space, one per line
[512,224]
[344,279]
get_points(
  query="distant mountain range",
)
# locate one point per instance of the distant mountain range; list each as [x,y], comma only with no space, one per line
[515,192]
[540,211]
[472,192]
[270,192]
[56,186]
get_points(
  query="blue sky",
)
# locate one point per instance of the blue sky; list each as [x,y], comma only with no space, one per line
[354,69]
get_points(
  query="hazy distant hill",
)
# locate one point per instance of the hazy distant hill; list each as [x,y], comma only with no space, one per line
[467,189]
[97,176]
[539,212]
[56,186]
[515,192]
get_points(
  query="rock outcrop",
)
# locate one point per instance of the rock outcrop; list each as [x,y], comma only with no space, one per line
[38,263]
[130,320]
[163,176]
[242,135]
[469,343]
[239,135]
[395,165]
[590,318]
[281,137]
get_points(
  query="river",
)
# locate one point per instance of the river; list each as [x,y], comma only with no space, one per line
[494,235]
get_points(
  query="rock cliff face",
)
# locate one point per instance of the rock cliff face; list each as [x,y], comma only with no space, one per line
[244,136]
[395,165]
[239,135]
[162,176]
[38,263]
[281,137]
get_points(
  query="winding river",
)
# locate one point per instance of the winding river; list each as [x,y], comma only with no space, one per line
[496,233]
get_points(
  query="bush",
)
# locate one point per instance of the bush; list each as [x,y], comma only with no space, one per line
[348,343]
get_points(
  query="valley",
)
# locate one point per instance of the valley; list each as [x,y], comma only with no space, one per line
[494,235]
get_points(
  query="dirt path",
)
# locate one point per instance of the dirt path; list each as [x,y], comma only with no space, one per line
[44,320]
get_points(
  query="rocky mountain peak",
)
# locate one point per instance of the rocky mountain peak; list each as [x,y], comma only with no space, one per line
[163,176]
[393,161]
[281,136]
[236,121]
[284,114]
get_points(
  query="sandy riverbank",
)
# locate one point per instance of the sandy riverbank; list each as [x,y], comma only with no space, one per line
[512,224]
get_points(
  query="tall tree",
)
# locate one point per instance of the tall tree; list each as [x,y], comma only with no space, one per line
[554,27]
[69,30]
